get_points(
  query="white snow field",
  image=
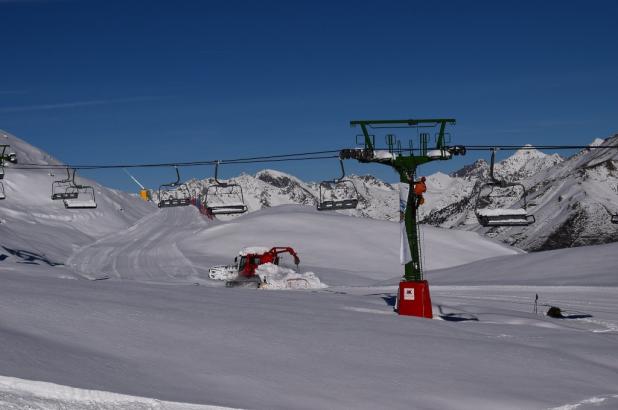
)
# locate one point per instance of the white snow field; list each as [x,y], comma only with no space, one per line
[158,334]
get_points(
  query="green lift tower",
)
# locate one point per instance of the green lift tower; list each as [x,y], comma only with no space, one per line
[413,298]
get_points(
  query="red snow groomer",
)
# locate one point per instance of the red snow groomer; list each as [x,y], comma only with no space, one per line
[242,272]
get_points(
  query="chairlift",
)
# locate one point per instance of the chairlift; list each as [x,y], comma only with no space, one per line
[60,189]
[486,210]
[79,196]
[615,219]
[330,193]
[11,157]
[2,195]
[224,198]
[174,194]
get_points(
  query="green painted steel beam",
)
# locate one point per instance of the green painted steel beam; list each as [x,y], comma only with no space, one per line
[405,166]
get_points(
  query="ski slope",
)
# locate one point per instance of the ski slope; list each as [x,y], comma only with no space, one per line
[339,348]
[591,266]
[179,244]
[158,334]
[33,224]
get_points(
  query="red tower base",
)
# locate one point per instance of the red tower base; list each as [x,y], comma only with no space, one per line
[413,299]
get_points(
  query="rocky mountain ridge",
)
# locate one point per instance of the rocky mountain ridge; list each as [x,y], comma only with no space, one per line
[572,199]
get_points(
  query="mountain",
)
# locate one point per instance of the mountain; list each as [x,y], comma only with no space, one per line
[36,228]
[572,199]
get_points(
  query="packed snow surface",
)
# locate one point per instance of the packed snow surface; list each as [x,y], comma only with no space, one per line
[21,394]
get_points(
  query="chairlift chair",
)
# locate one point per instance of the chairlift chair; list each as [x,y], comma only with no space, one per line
[79,196]
[11,157]
[2,195]
[489,215]
[328,201]
[61,189]
[174,194]
[224,198]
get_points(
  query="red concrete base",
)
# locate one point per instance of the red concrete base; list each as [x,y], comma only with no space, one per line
[414,300]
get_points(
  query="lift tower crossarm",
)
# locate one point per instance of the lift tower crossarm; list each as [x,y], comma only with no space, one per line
[406,165]
[409,122]
[11,157]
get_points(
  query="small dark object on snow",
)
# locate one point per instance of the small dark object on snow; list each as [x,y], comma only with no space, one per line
[555,312]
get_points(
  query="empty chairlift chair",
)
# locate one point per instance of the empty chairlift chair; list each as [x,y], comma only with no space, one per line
[224,198]
[337,194]
[61,189]
[489,212]
[2,194]
[11,157]
[174,194]
[79,196]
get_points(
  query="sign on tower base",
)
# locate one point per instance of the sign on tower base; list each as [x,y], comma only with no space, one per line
[413,299]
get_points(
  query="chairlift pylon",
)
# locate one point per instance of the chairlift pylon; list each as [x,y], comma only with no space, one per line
[224,198]
[328,202]
[488,215]
[174,193]
[79,196]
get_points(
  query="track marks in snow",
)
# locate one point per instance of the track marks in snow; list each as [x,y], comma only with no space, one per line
[147,251]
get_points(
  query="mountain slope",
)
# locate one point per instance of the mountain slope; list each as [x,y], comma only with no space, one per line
[180,245]
[35,227]
[572,200]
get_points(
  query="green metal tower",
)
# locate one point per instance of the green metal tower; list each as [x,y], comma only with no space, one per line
[405,162]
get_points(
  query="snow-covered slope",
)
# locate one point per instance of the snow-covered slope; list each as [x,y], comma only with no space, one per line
[592,266]
[36,230]
[572,200]
[339,348]
[180,244]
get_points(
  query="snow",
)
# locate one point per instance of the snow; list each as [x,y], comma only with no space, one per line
[253,250]
[77,203]
[501,212]
[596,142]
[438,153]
[159,334]
[21,394]
[383,154]
[278,277]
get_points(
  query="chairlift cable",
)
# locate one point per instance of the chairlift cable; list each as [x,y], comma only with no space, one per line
[305,156]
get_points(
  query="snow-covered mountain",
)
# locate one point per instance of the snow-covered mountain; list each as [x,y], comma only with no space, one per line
[36,227]
[572,199]
[269,188]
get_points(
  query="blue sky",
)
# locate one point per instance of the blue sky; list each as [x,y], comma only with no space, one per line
[163,81]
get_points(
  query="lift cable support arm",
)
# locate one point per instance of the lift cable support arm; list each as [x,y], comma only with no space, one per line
[404,162]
